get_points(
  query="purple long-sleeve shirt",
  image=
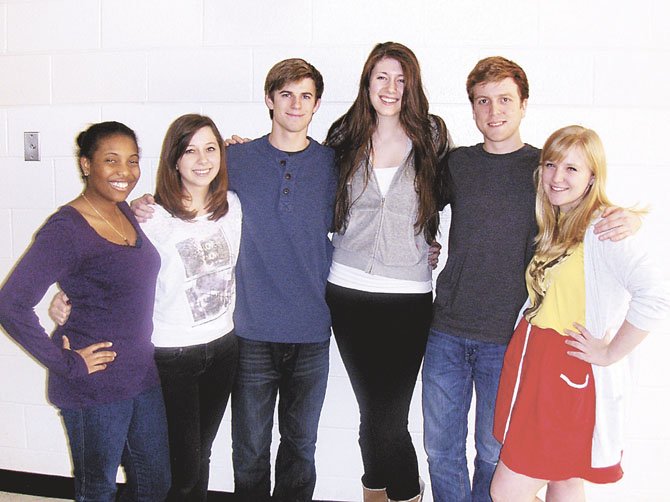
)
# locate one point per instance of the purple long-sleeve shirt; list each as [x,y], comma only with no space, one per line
[111,288]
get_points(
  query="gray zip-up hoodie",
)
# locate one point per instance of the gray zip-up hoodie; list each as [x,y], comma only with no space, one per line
[380,237]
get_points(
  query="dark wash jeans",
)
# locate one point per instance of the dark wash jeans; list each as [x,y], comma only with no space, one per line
[299,374]
[132,432]
[196,381]
[382,338]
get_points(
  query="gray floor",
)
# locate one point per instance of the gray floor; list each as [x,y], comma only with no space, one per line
[14,497]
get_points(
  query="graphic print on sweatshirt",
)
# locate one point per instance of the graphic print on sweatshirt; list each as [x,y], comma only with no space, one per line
[210,275]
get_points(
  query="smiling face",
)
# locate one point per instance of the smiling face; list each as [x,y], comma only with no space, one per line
[293,106]
[113,170]
[201,161]
[387,84]
[565,182]
[498,109]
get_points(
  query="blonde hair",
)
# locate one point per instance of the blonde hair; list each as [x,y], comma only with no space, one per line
[557,237]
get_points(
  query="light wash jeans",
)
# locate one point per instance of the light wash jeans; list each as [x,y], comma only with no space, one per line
[452,366]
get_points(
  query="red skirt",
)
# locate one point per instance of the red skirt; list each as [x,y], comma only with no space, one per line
[546,420]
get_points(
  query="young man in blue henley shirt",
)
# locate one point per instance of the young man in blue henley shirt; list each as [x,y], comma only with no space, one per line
[286,183]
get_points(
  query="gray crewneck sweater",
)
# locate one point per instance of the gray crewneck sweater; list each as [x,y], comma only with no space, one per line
[482,287]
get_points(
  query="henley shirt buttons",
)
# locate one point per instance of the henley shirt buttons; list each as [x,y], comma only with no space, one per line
[285,191]
[287,176]
[282,163]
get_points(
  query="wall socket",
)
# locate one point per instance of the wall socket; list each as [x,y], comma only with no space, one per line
[31,146]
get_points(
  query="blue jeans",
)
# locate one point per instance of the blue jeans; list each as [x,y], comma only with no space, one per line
[298,373]
[450,367]
[196,381]
[132,432]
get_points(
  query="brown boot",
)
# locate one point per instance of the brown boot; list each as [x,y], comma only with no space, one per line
[374,495]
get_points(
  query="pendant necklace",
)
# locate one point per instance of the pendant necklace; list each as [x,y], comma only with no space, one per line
[106,220]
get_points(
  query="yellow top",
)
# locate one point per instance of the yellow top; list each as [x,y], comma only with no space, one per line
[565,299]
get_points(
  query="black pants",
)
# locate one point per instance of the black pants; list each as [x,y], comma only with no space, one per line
[196,381]
[382,339]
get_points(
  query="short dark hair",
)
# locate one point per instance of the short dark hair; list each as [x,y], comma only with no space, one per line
[292,70]
[88,140]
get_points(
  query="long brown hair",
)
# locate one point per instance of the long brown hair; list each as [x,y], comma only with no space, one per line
[351,138]
[557,237]
[169,188]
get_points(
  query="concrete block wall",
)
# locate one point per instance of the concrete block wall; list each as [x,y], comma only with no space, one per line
[66,63]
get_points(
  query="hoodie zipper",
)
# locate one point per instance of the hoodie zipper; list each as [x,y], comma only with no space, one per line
[377,233]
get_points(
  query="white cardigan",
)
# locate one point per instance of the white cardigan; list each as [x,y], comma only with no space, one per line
[621,284]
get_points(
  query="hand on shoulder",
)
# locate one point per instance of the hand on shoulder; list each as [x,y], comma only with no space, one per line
[142,207]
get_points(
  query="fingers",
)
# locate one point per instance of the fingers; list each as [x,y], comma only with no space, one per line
[99,360]
[97,365]
[95,347]
[581,347]
[613,217]
[618,223]
[578,355]
[615,234]
[579,327]
[235,140]
[612,210]
[582,329]
[66,343]
[61,316]
[59,309]
[142,208]
[434,254]
[95,358]
[574,335]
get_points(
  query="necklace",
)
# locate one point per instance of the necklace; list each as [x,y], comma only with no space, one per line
[125,239]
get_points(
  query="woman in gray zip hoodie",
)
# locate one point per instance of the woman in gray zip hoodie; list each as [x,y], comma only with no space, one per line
[388,148]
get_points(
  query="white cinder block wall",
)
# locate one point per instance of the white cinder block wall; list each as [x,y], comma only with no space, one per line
[66,63]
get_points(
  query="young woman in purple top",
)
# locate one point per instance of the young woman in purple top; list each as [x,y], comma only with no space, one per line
[100,364]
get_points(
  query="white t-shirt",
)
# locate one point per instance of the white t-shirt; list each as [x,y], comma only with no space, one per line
[195,291]
[384,177]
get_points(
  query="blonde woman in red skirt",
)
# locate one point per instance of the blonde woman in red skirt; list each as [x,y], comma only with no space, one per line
[559,408]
